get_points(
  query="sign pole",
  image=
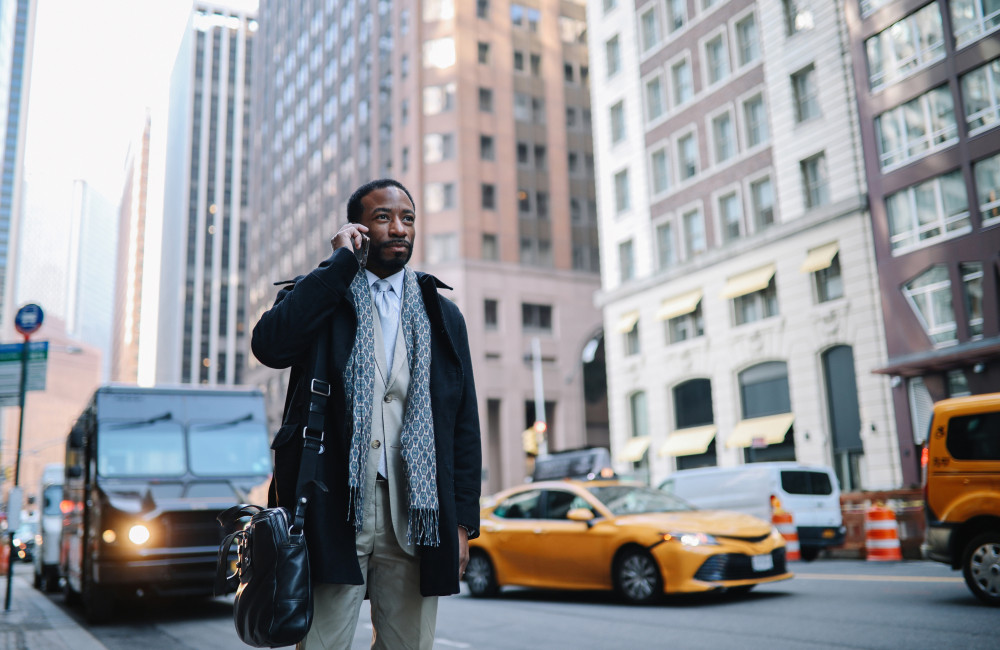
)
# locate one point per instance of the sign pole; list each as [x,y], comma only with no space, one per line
[28,320]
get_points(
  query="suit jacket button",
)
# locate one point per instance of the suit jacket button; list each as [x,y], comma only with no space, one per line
[376,444]
[387,398]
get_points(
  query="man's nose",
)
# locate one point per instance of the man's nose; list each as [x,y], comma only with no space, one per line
[397,227]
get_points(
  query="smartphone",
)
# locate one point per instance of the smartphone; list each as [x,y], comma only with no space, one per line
[362,253]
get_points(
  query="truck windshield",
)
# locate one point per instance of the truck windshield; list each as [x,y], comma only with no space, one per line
[52,497]
[130,449]
[229,449]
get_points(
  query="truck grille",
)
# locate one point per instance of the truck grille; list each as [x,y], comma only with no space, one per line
[188,529]
[736,566]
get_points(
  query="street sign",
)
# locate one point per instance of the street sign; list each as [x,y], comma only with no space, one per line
[10,370]
[29,318]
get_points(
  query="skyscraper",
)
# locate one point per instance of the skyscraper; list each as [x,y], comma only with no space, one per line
[482,111]
[202,320]
[17,33]
[129,263]
[739,279]
[927,76]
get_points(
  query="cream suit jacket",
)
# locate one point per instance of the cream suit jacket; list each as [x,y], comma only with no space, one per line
[391,388]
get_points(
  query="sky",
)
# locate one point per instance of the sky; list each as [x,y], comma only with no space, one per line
[97,65]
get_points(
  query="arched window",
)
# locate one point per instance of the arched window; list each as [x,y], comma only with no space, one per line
[692,414]
[764,392]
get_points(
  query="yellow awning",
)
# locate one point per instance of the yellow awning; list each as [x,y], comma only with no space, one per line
[634,450]
[744,283]
[770,430]
[685,442]
[627,322]
[820,258]
[680,305]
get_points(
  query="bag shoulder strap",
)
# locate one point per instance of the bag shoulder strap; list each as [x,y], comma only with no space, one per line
[313,433]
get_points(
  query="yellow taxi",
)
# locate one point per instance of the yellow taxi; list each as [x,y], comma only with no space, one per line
[619,535]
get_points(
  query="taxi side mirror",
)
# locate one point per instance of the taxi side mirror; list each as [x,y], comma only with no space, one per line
[581,514]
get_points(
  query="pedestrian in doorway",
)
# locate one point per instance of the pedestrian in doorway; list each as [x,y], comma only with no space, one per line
[402,457]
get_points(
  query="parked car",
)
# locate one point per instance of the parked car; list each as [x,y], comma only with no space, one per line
[619,535]
[962,491]
[810,493]
[49,528]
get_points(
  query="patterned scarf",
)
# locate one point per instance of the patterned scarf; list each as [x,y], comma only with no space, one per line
[417,438]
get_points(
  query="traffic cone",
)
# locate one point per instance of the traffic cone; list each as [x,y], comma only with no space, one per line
[785,524]
[881,535]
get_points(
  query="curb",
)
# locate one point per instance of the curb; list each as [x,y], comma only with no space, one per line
[36,623]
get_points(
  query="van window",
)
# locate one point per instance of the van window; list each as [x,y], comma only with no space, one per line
[974,437]
[52,497]
[806,482]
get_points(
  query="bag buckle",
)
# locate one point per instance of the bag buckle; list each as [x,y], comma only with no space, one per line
[320,387]
[322,434]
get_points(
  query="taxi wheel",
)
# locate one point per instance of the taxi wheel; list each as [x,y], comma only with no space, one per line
[981,567]
[637,577]
[480,576]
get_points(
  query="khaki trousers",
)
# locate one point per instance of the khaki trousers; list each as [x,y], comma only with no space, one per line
[402,619]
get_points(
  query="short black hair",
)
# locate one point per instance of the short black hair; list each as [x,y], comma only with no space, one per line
[354,207]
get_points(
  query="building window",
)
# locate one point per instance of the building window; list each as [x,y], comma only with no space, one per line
[439,99]
[523,202]
[755,118]
[987,174]
[724,137]
[519,61]
[536,318]
[438,147]
[485,100]
[870,6]
[717,58]
[730,217]
[487,150]
[535,61]
[522,154]
[541,160]
[442,247]
[542,205]
[649,29]
[572,162]
[439,53]
[746,40]
[762,199]
[659,171]
[491,316]
[973,18]
[622,195]
[815,180]
[686,326]
[683,82]
[617,122]
[921,125]
[806,89]
[905,47]
[676,14]
[483,9]
[829,283]
[484,53]
[763,392]
[656,104]
[613,53]
[666,249]
[439,196]
[626,261]
[568,72]
[694,233]
[981,95]
[797,19]
[637,414]
[524,17]
[609,5]
[538,110]
[693,408]
[491,248]
[929,295]
[488,192]
[632,340]
[687,155]
[972,288]
[756,305]
[922,214]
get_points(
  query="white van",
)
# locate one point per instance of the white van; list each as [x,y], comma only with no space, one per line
[46,561]
[810,493]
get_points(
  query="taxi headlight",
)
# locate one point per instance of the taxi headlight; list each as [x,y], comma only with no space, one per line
[692,539]
[138,534]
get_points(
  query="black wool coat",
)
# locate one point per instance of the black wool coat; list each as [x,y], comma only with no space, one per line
[284,337]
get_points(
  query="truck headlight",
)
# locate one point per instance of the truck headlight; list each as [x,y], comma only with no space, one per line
[138,534]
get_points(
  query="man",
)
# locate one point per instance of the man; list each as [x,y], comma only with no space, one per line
[402,458]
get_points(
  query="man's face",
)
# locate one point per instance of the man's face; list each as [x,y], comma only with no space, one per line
[390,218]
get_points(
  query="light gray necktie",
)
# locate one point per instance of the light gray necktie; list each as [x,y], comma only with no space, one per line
[388,315]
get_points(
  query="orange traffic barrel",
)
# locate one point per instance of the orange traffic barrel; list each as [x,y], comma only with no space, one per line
[785,524]
[882,535]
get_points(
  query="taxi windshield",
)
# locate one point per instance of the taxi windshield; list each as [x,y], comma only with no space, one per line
[637,499]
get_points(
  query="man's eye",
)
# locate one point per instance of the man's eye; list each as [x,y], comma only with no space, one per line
[409,219]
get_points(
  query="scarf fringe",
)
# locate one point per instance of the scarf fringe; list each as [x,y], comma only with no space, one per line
[422,527]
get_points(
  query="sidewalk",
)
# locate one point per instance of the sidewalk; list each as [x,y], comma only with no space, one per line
[35,623]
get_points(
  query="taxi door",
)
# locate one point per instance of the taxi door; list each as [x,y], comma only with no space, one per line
[570,554]
[514,527]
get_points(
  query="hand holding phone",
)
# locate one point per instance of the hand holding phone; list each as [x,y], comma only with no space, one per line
[362,252]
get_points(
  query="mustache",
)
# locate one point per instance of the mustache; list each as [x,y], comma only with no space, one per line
[396,242]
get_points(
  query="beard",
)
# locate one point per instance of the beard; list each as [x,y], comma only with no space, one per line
[392,261]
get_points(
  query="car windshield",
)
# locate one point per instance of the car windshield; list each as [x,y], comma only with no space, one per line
[636,499]
[229,449]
